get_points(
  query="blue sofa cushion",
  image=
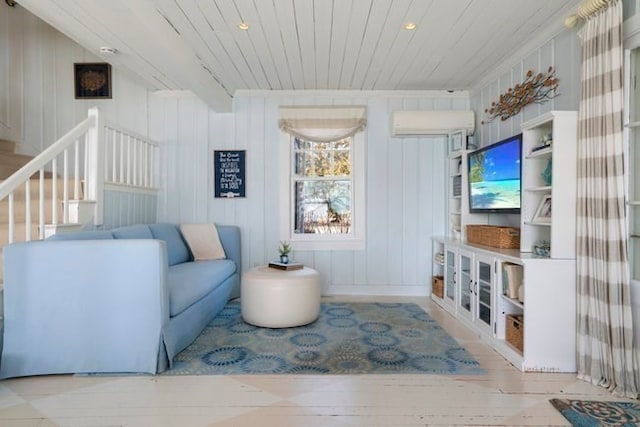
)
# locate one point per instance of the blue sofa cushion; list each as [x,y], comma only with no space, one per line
[190,281]
[83,235]
[177,251]
[139,231]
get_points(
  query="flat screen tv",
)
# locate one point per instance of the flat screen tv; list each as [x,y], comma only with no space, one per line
[494,177]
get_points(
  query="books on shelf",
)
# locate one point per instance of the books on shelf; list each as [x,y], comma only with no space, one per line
[457,186]
[288,266]
[539,147]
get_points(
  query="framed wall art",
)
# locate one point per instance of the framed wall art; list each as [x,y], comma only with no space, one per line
[92,80]
[229,173]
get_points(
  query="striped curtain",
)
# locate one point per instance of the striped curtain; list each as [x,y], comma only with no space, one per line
[605,328]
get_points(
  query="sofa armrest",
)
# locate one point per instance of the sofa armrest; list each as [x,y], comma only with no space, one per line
[230,239]
[84,306]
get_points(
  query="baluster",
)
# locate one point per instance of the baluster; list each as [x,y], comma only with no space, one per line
[134,172]
[76,171]
[86,165]
[11,217]
[121,165]
[106,154]
[114,176]
[41,207]
[151,167]
[145,160]
[27,209]
[65,187]
[128,159]
[54,191]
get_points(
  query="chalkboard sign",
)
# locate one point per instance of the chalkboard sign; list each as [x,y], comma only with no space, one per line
[229,170]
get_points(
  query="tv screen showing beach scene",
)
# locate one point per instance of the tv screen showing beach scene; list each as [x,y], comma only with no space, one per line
[494,177]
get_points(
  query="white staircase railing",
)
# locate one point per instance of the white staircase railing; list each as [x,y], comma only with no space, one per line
[90,154]
[129,158]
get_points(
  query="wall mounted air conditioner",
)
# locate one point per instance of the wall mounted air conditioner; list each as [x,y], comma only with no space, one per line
[431,122]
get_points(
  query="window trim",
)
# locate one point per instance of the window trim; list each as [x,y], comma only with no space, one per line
[312,242]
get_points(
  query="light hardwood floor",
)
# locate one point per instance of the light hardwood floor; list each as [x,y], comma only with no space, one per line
[504,396]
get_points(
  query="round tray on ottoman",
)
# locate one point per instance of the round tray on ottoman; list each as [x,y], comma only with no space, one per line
[275,298]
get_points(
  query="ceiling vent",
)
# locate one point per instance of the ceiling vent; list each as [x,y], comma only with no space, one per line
[433,122]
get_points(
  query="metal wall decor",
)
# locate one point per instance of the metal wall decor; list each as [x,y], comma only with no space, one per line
[538,88]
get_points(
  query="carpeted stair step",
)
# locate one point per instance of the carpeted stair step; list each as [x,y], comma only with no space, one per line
[11,162]
[34,189]
[7,146]
[19,233]
[19,205]
[20,210]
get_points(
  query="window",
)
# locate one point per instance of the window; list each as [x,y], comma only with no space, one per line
[325,190]
[322,188]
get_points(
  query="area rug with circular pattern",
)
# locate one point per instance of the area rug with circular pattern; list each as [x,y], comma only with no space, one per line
[347,338]
[596,413]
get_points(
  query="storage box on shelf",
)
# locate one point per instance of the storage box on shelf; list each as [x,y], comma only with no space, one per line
[514,331]
[512,281]
[438,286]
[493,235]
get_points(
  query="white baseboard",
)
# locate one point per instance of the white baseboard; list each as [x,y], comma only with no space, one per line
[381,290]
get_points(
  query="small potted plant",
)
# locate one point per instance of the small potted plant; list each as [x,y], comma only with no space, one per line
[283,250]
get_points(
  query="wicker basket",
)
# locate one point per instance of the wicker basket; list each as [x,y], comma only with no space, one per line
[515,330]
[437,286]
[494,235]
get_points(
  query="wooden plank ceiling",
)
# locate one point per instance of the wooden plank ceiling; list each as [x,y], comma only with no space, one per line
[303,44]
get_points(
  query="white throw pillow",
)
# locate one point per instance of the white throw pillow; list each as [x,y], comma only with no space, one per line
[203,240]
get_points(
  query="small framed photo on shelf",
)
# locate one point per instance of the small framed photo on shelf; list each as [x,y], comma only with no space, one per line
[543,213]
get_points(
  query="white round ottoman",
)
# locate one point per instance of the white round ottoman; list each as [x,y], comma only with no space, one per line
[280,299]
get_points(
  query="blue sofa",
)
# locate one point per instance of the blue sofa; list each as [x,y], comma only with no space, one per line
[107,301]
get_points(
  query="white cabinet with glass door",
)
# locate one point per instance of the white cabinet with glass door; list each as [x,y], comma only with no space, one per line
[483,295]
[465,285]
[475,289]
[450,278]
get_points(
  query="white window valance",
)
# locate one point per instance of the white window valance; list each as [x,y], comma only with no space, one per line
[323,124]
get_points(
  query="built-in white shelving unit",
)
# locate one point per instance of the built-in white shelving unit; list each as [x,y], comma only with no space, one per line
[457,189]
[559,162]
[476,287]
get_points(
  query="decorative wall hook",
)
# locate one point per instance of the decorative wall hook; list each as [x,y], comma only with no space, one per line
[538,88]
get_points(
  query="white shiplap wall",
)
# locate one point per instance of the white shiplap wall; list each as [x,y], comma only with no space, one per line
[404,183]
[37,103]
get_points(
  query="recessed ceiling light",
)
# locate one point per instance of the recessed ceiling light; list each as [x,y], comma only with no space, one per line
[410,26]
[243,26]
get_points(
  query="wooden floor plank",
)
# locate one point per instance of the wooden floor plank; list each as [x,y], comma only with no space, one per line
[502,397]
